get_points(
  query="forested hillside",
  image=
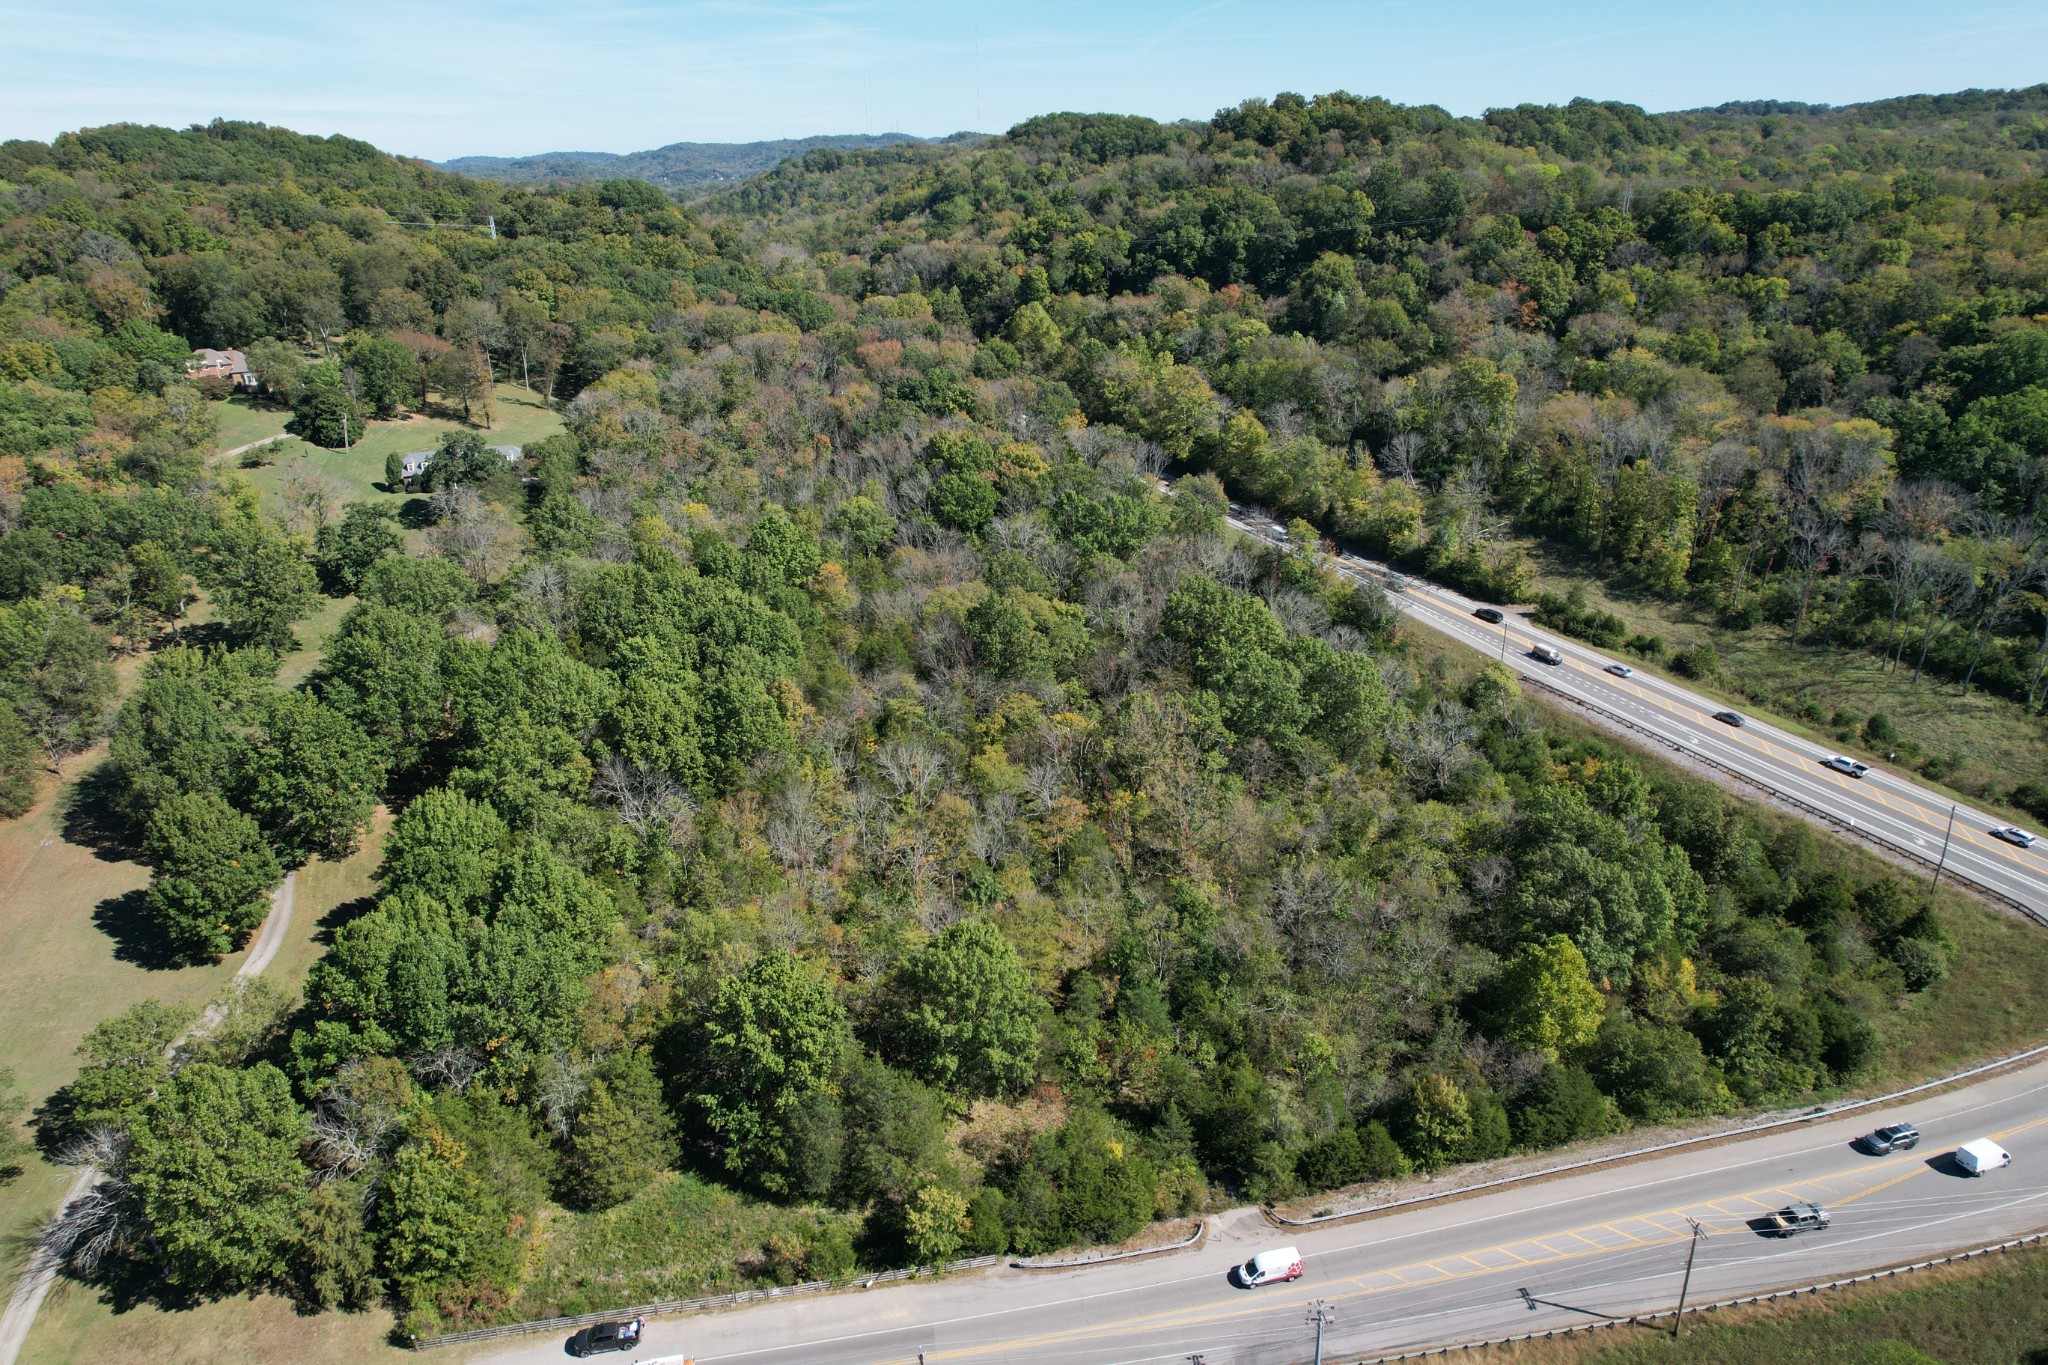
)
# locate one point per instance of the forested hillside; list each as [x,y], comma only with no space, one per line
[678,166]
[854,800]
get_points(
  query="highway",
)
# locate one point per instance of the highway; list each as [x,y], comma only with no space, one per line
[1882,803]
[1610,1242]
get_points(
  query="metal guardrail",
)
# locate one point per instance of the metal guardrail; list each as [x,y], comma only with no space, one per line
[1848,826]
[1679,1144]
[670,1307]
[1082,1262]
[1645,1319]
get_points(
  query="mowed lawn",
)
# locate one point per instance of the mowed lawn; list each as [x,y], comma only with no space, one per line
[242,421]
[520,419]
[77,1323]
[74,950]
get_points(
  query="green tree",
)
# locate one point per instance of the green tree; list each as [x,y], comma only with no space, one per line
[935,1220]
[866,527]
[1438,1120]
[21,764]
[313,777]
[214,1165]
[1547,1002]
[123,1063]
[265,588]
[332,1255]
[622,1137]
[965,502]
[967,1019]
[54,668]
[387,371]
[328,409]
[774,1033]
[443,1226]
[346,550]
[1007,643]
[461,460]
[384,671]
[212,873]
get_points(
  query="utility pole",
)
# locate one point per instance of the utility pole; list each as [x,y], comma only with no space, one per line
[1678,1319]
[1944,845]
[1321,1314]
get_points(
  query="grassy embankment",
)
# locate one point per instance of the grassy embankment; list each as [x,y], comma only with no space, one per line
[1979,1313]
[1983,745]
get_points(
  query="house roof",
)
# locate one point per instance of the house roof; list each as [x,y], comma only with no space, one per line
[206,360]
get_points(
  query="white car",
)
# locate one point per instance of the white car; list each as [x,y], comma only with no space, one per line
[1843,764]
[1621,670]
[2014,836]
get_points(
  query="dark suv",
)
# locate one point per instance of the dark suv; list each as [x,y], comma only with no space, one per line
[1893,1137]
[606,1336]
[1491,615]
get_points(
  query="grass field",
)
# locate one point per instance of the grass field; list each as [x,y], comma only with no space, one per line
[77,1323]
[243,421]
[1978,1313]
[521,418]
[1993,742]
[74,950]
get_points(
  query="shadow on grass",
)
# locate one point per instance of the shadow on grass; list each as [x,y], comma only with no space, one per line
[416,514]
[334,920]
[138,939]
[94,819]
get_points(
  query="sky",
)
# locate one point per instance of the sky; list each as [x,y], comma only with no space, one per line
[447,78]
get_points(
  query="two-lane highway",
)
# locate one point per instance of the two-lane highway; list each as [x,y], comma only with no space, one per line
[1881,803]
[1606,1243]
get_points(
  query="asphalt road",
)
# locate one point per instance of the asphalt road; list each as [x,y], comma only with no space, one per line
[1882,803]
[1605,1243]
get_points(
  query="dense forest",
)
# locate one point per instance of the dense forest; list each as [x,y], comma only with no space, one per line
[853,764]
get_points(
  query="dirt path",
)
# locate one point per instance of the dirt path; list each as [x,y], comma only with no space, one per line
[41,1272]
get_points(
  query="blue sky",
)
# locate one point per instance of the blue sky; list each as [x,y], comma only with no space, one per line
[441,78]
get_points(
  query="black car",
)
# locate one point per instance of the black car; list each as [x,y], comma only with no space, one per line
[1730,718]
[606,1336]
[1893,1137]
[1491,615]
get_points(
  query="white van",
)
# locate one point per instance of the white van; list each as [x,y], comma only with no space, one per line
[1982,1155]
[1547,653]
[1269,1267]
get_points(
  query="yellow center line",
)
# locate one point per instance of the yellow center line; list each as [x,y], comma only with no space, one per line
[1916,813]
[1911,811]
[1428,1272]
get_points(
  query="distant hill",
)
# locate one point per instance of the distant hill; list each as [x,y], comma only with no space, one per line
[680,165]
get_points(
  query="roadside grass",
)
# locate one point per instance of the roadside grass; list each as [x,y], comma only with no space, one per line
[681,1238]
[1988,744]
[521,418]
[76,1328]
[1995,1309]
